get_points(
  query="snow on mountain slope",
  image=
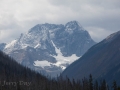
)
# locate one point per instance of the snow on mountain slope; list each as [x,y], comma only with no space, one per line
[61,61]
[42,63]
[50,47]
[11,44]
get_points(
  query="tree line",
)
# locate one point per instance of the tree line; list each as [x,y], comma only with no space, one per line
[14,76]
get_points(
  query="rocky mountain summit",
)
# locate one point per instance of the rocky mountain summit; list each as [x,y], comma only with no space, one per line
[50,48]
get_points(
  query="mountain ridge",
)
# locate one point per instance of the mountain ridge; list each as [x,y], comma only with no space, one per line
[101,60]
[41,42]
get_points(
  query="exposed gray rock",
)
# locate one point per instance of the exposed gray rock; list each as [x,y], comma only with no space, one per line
[52,45]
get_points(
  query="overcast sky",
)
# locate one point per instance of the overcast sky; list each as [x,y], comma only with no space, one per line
[99,17]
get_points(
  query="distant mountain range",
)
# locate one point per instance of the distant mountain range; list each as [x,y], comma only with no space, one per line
[101,60]
[50,48]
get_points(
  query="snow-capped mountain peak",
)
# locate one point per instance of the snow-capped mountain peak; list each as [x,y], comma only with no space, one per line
[73,26]
[55,46]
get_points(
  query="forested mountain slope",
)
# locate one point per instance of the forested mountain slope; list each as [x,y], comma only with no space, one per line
[13,76]
[102,61]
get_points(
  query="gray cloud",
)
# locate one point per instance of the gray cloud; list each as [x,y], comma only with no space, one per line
[99,17]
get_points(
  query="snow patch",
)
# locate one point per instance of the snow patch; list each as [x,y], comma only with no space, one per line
[37,46]
[11,44]
[62,61]
[57,49]
[42,63]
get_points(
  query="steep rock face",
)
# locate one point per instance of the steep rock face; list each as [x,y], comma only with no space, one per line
[74,40]
[102,61]
[49,47]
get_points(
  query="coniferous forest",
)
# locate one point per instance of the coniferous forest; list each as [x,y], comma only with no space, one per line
[13,76]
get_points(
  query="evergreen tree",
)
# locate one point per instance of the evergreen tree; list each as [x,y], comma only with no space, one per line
[11,71]
[103,85]
[90,82]
[118,88]
[96,87]
[114,85]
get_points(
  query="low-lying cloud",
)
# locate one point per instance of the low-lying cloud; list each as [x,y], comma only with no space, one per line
[100,18]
